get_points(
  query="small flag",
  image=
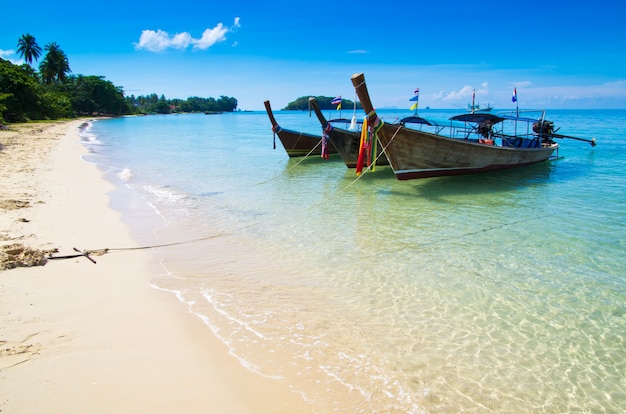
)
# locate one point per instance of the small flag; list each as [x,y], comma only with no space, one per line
[336,101]
[339,106]
[415,99]
[514,99]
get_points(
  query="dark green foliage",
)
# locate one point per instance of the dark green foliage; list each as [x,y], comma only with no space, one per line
[56,105]
[21,93]
[95,95]
[153,104]
[23,97]
[54,93]
[324,102]
[55,66]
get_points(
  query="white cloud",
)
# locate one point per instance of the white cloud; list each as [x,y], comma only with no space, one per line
[6,54]
[455,95]
[210,37]
[158,41]
[522,84]
[181,40]
[153,41]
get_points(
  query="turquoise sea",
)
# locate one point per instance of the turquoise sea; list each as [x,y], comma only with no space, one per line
[499,292]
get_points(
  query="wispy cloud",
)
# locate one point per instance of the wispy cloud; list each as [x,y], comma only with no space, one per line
[159,40]
[358,52]
[6,54]
[464,92]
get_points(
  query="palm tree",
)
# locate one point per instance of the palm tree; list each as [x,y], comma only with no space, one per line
[55,66]
[28,48]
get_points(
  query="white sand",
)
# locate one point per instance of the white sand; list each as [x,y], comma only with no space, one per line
[78,337]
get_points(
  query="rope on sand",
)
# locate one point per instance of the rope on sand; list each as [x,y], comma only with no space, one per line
[102,252]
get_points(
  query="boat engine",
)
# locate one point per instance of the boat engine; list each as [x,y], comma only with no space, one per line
[485,128]
[543,127]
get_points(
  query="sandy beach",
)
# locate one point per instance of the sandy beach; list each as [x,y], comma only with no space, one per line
[81,337]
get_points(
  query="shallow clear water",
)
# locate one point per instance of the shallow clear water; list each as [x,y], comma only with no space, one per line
[500,292]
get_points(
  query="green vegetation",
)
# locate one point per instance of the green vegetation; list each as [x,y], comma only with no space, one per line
[54,92]
[324,102]
[160,105]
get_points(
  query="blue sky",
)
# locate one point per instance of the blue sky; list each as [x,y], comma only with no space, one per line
[557,54]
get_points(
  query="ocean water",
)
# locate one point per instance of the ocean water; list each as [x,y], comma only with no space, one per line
[499,292]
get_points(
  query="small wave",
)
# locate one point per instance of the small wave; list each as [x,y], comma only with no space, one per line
[90,139]
[247,364]
[125,174]
[166,202]
[165,194]
[87,137]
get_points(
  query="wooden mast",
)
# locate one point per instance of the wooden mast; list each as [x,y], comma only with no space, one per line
[268,108]
[318,112]
[358,80]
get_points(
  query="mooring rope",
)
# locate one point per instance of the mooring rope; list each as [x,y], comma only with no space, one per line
[293,166]
[486,229]
[358,177]
[102,252]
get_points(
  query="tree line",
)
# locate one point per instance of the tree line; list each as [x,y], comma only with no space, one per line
[160,105]
[54,92]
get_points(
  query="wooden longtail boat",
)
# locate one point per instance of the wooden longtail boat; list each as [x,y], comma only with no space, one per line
[421,154]
[297,144]
[346,142]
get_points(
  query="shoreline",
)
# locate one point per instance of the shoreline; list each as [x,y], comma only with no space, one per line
[77,335]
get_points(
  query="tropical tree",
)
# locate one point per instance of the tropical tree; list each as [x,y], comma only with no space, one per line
[20,92]
[226,104]
[55,65]
[94,94]
[28,48]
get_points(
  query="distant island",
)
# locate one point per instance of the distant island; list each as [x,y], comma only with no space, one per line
[324,102]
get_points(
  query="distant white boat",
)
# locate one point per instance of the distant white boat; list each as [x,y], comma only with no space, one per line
[476,108]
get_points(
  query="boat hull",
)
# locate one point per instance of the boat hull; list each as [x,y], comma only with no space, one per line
[301,144]
[296,144]
[417,154]
[347,145]
[346,142]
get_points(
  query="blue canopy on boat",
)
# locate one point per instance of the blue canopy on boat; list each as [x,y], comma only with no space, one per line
[519,118]
[477,118]
[416,120]
[344,121]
